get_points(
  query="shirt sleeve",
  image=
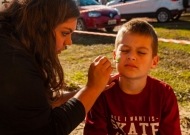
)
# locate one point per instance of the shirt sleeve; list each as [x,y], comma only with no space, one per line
[23,104]
[68,116]
[170,121]
[96,119]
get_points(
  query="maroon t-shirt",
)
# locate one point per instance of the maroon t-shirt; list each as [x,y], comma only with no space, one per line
[154,111]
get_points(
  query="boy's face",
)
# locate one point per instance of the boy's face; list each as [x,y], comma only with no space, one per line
[133,56]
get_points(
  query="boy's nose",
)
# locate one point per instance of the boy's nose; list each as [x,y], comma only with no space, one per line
[131,56]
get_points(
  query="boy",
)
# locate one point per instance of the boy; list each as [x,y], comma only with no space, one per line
[137,104]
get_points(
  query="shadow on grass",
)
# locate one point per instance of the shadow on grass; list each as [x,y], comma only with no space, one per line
[182,23]
[173,25]
[86,39]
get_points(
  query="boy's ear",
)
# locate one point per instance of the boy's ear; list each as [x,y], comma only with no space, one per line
[155,62]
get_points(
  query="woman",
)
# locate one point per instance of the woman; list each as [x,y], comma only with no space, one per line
[32,33]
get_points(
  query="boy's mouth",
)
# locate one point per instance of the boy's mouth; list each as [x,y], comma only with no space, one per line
[130,66]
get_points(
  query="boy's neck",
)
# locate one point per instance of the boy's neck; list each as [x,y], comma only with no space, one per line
[132,86]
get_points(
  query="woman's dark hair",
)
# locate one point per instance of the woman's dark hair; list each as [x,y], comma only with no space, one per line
[32,23]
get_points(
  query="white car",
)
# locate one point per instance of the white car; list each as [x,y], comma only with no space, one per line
[163,10]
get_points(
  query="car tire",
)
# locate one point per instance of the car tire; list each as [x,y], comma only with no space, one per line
[109,29]
[80,25]
[186,3]
[163,15]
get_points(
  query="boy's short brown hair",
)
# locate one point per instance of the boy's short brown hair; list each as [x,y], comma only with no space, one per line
[141,27]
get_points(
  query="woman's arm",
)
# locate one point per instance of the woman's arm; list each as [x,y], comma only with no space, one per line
[65,96]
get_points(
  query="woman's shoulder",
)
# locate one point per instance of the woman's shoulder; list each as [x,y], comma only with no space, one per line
[11,45]
[12,52]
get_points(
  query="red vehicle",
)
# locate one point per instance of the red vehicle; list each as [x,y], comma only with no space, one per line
[95,16]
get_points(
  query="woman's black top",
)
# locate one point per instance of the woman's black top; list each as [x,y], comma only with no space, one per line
[24,109]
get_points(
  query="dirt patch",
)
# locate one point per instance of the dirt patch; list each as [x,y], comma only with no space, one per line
[78,130]
[185,120]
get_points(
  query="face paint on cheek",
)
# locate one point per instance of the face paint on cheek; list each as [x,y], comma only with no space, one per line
[117,59]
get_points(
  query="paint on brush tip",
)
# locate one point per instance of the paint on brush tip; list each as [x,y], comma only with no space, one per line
[117,59]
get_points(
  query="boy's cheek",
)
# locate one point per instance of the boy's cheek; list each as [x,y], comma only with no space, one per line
[119,56]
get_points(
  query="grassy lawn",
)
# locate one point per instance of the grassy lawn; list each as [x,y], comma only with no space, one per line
[173,67]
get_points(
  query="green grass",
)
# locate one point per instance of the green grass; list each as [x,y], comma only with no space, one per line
[173,67]
[170,33]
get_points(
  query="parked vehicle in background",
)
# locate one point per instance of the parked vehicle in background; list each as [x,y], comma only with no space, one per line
[95,16]
[163,10]
[186,4]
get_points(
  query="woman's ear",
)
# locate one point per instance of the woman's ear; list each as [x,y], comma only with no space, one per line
[155,62]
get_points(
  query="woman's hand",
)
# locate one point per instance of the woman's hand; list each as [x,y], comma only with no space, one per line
[99,73]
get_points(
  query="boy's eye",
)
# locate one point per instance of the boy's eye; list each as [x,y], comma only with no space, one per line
[142,53]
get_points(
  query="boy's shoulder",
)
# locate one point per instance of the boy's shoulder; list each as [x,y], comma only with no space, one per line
[156,80]
[156,83]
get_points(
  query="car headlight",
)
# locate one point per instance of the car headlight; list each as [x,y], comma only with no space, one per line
[94,14]
[117,11]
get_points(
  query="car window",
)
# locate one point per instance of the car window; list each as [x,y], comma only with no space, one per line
[88,2]
[127,0]
[120,0]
